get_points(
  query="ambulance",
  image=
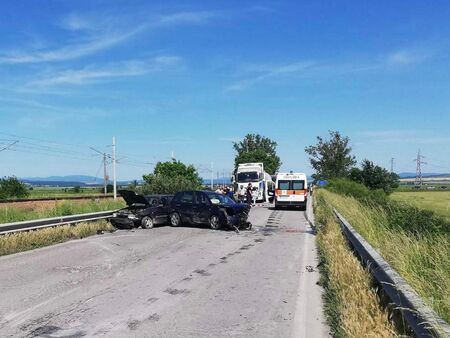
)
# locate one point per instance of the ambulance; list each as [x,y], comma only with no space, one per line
[291,189]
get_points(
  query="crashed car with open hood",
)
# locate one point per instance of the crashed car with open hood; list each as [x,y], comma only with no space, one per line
[207,207]
[144,211]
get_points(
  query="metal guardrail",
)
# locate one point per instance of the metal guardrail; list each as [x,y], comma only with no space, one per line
[421,319]
[54,221]
[59,198]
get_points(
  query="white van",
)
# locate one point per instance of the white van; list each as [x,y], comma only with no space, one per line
[291,189]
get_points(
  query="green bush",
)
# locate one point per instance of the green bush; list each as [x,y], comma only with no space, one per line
[359,191]
[414,220]
[401,216]
[11,187]
[158,184]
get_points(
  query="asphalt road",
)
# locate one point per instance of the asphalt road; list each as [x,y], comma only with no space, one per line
[169,282]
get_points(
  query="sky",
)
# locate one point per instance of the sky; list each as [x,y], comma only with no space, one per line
[192,77]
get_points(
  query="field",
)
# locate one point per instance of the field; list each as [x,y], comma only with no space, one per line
[422,257]
[437,201]
[56,192]
[22,211]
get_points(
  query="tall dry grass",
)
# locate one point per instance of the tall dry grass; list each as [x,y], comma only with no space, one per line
[23,241]
[63,208]
[352,305]
[422,259]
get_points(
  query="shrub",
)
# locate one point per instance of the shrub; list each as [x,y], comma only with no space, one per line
[159,184]
[359,191]
[11,187]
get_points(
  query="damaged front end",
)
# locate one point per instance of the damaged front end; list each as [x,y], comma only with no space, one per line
[127,218]
[237,218]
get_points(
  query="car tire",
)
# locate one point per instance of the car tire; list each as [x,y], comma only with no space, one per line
[175,219]
[147,222]
[214,222]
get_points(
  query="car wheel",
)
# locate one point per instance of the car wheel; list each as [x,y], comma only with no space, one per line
[214,222]
[147,222]
[175,219]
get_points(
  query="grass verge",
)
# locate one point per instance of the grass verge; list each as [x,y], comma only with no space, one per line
[23,241]
[60,208]
[421,257]
[351,304]
[437,201]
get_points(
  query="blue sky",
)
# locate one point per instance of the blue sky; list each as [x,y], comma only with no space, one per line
[194,76]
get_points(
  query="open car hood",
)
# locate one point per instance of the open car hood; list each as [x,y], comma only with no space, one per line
[131,197]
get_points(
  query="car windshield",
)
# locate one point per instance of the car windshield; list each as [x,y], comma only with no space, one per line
[251,176]
[222,198]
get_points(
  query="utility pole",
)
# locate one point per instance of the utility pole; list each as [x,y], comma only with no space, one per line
[392,165]
[419,161]
[114,166]
[212,176]
[105,175]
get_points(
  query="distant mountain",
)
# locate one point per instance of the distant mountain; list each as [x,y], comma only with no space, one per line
[69,181]
[410,175]
[69,178]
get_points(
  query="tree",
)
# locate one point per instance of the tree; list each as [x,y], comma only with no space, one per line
[170,177]
[11,187]
[256,148]
[374,177]
[331,158]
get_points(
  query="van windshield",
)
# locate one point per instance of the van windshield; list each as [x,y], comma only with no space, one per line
[251,176]
[291,185]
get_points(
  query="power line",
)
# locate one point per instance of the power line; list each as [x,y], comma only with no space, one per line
[8,146]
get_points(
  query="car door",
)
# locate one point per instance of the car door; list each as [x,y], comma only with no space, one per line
[203,207]
[186,206]
[160,211]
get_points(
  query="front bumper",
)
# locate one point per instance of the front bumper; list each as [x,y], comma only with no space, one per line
[122,222]
[291,203]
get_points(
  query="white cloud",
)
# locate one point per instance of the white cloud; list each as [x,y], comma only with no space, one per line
[72,51]
[404,136]
[92,74]
[252,74]
[264,72]
[405,57]
[179,18]
[100,33]
[74,22]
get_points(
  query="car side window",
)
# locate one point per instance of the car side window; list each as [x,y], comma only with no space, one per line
[202,199]
[188,197]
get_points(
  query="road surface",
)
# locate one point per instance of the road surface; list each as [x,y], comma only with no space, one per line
[169,282]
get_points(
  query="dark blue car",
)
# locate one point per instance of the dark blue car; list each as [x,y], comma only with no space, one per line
[206,207]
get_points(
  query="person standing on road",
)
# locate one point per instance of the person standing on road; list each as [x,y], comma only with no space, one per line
[249,194]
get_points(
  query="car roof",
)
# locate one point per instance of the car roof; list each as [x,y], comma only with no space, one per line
[204,191]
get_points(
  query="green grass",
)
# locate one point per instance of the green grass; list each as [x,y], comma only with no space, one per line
[64,208]
[351,304]
[23,241]
[421,258]
[54,192]
[437,201]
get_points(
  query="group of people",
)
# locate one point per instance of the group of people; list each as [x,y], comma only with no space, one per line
[225,190]
[251,193]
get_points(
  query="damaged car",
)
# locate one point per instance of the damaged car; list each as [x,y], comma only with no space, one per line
[206,207]
[141,211]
